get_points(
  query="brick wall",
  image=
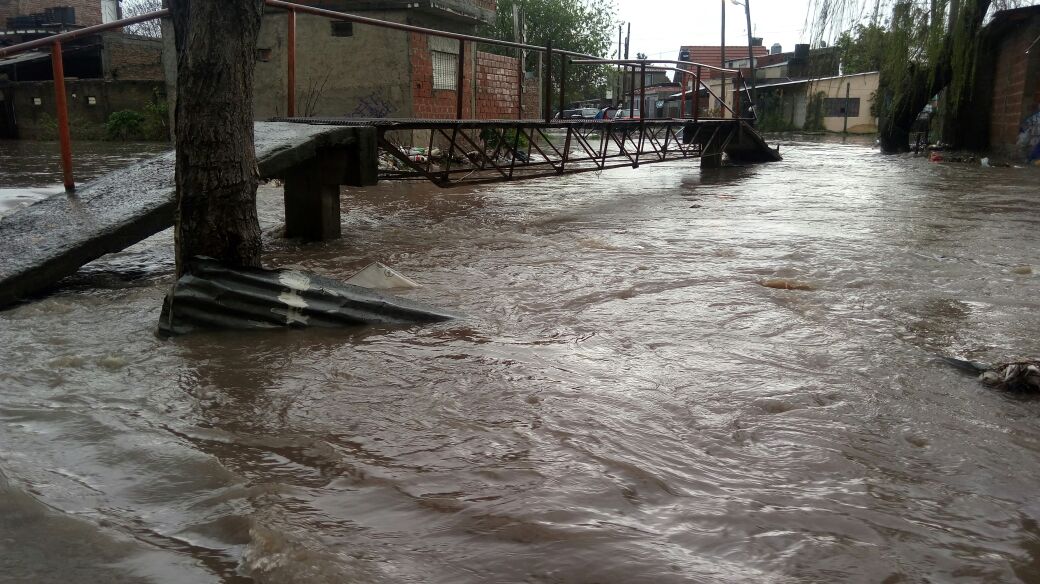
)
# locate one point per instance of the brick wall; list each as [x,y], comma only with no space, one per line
[88,12]
[1016,87]
[132,58]
[497,85]
[430,103]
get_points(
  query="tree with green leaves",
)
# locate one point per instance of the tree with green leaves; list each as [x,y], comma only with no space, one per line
[862,49]
[921,47]
[582,26]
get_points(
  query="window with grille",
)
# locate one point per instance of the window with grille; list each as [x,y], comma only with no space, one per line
[834,107]
[445,70]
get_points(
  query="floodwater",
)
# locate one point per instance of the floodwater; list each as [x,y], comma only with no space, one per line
[31,171]
[625,402]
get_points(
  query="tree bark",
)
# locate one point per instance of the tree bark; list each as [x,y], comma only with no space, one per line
[216,161]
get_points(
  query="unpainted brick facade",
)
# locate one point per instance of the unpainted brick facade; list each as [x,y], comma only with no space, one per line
[498,83]
[497,86]
[88,12]
[1016,87]
[130,58]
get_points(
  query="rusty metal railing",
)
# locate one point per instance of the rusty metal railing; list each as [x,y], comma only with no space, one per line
[293,9]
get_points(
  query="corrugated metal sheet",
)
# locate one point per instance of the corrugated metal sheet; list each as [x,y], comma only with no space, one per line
[212,296]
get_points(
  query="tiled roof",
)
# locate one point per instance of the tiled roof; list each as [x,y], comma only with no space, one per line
[712,55]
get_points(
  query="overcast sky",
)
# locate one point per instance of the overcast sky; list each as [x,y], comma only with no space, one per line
[660,27]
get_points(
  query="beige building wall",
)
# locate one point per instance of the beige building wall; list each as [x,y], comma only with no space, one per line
[864,87]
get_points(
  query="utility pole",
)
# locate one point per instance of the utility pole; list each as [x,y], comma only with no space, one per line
[723,93]
[751,58]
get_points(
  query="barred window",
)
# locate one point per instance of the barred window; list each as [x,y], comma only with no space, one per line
[834,107]
[445,70]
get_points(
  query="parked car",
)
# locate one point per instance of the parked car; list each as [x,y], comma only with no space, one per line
[586,113]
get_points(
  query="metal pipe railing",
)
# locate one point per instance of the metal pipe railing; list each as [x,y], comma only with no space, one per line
[293,9]
[61,104]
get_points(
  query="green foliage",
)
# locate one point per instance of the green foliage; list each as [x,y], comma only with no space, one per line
[582,26]
[772,115]
[862,49]
[125,125]
[492,138]
[814,112]
[132,125]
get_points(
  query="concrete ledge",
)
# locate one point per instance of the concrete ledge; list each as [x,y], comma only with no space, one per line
[49,240]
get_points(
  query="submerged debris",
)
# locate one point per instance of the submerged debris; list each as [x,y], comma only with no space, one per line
[1017,375]
[787,284]
[213,296]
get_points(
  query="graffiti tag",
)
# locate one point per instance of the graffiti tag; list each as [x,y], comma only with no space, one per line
[372,105]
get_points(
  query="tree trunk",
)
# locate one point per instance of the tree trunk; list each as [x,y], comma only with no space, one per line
[920,84]
[216,161]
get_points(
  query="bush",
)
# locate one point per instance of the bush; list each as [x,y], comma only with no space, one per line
[152,124]
[125,125]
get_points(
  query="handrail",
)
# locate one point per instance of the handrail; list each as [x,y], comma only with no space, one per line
[80,32]
[55,43]
[335,15]
[598,61]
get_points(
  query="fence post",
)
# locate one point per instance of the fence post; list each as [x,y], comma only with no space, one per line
[548,82]
[563,82]
[62,105]
[632,93]
[520,84]
[291,97]
[642,90]
[736,96]
[697,96]
[682,103]
[460,82]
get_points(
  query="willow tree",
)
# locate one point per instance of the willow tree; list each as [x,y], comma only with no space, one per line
[216,171]
[928,46]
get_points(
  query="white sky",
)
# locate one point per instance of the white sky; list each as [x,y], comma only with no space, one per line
[660,27]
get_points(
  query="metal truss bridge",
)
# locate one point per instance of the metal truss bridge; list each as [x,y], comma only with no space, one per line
[457,152]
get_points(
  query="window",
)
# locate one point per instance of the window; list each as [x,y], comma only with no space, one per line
[834,107]
[342,28]
[91,100]
[445,70]
[444,53]
[37,101]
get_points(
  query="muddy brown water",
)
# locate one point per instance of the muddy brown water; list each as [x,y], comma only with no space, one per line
[665,375]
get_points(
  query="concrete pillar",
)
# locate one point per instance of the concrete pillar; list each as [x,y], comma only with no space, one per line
[312,196]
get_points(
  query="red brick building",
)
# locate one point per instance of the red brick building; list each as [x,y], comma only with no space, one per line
[1012,81]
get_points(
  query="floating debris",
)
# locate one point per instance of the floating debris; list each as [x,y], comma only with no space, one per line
[213,296]
[1016,375]
[787,284]
[378,276]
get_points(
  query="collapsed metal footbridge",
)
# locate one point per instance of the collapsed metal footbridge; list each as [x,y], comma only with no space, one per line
[316,156]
